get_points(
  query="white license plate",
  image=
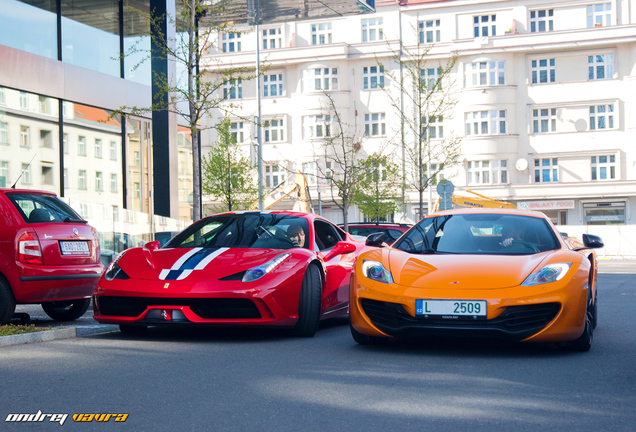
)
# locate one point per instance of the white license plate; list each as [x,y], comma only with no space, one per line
[451,309]
[74,248]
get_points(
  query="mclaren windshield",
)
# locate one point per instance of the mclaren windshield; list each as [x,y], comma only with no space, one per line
[479,233]
[246,230]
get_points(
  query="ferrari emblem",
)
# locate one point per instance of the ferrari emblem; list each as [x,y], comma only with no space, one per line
[166,285]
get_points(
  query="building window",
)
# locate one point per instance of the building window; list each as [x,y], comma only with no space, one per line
[435,173]
[113,150]
[3,100]
[491,122]
[47,175]
[81,146]
[319,79]
[273,176]
[115,213]
[236,129]
[25,136]
[429,31]
[98,148]
[430,79]
[489,73]
[233,88]
[484,25]
[137,159]
[601,66]
[65,143]
[543,71]
[602,117]
[272,38]
[4,133]
[372,30]
[99,183]
[65,178]
[316,126]
[46,138]
[546,170]
[231,42]
[599,15]
[310,171]
[544,120]
[488,172]
[329,172]
[541,20]
[113,183]
[603,167]
[137,190]
[374,124]
[26,173]
[272,85]
[274,130]
[4,173]
[24,101]
[373,77]
[321,34]
[81,179]
[435,127]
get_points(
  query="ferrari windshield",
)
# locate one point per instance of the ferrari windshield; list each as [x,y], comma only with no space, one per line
[479,233]
[246,230]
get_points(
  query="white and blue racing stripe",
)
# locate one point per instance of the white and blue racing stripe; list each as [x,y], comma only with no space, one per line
[195,259]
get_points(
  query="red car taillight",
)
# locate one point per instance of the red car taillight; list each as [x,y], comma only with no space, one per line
[29,249]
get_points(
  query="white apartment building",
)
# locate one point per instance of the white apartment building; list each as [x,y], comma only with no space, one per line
[546,97]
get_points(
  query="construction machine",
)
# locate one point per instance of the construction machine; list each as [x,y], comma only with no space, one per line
[480,201]
[296,185]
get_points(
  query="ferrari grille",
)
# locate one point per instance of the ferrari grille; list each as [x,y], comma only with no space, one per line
[515,323]
[207,308]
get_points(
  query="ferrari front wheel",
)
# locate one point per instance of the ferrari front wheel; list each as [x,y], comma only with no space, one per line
[66,310]
[363,339]
[309,303]
[584,342]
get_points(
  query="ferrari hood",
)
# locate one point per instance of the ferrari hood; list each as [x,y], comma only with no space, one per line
[465,271]
[193,263]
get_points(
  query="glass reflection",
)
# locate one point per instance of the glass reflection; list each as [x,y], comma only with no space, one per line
[29,25]
[90,35]
[29,140]
[139,175]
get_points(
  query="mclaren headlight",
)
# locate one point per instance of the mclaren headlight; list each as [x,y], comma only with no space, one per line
[549,273]
[374,270]
[114,271]
[258,272]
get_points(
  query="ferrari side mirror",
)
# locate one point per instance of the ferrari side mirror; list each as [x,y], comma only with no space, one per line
[340,248]
[153,245]
[591,242]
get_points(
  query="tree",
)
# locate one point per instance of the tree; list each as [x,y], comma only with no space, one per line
[201,91]
[378,186]
[424,82]
[340,156]
[228,175]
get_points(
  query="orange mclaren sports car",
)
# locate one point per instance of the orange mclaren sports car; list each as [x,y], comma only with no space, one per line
[496,273]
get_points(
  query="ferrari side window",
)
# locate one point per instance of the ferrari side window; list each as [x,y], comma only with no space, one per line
[326,237]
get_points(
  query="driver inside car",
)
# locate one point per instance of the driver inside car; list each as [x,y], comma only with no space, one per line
[296,234]
[513,232]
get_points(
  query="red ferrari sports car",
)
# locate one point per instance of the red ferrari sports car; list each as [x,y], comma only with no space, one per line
[281,269]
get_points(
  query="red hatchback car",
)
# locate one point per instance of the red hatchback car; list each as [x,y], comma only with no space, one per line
[48,255]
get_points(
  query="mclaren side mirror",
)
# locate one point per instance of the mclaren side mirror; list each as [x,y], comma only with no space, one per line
[591,242]
[340,248]
[375,239]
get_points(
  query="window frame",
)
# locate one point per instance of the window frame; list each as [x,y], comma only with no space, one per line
[435,32]
[541,116]
[596,167]
[497,170]
[493,118]
[606,65]
[370,122]
[274,126]
[368,75]
[492,72]
[541,168]
[607,117]
[374,25]
[536,68]
[481,26]
[275,39]
[230,39]
[536,20]
[268,85]
[321,33]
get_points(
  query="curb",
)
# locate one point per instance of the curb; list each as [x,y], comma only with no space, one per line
[40,336]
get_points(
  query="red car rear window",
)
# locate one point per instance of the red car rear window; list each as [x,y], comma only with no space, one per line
[38,208]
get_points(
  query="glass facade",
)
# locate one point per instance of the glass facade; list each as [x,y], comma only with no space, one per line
[30,26]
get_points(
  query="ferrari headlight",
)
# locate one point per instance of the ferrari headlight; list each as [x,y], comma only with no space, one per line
[549,273]
[256,273]
[374,270]
[114,271]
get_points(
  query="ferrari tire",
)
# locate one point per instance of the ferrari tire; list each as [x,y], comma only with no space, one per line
[7,302]
[68,310]
[595,313]
[309,303]
[132,329]
[363,339]
[584,342]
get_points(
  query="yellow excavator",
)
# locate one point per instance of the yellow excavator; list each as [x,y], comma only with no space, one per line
[480,201]
[297,186]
